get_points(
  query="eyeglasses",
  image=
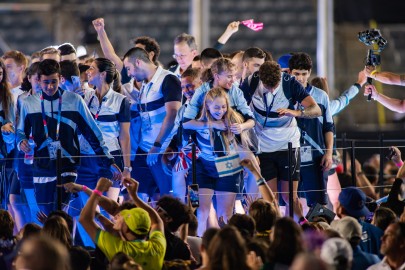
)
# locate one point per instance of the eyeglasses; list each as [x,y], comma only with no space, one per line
[179,56]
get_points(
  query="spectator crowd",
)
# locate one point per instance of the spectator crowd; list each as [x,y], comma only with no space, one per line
[186,166]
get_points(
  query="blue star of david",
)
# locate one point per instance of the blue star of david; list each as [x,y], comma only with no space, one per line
[229,165]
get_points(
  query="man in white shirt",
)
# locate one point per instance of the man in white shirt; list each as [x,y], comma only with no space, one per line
[393,248]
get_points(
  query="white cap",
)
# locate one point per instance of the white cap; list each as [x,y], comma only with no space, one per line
[336,251]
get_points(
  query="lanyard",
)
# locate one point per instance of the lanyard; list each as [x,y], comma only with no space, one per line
[146,96]
[268,108]
[98,109]
[44,116]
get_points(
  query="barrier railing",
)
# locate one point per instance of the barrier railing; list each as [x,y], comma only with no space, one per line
[348,145]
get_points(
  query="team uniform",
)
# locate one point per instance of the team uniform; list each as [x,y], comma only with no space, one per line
[206,170]
[132,95]
[163,87]
[108,113]
[54,122]
[236,102]
[7,145]
[337,105]
[275,132]
[312,149]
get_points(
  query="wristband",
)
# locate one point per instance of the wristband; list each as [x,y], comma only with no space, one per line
[373,73]
[260,182]
[97,192]
[84,188]
[302,112]
[375,96]
[399,164]
[157,144]
[302,221]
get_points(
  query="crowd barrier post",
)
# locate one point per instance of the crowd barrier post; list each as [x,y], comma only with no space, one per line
[4,190]
[344,152]
[290,181]
[353,162]
[193,163]
[382,159]
[59,187]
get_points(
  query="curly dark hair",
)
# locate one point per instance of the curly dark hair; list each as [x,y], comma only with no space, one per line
[300,61]
[178,211]
[151,45]
[270,74]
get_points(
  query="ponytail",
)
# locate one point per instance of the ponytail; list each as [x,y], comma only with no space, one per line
[117,82]
[207,75]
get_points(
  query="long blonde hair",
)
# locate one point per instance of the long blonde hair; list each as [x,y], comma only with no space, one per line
[230,117]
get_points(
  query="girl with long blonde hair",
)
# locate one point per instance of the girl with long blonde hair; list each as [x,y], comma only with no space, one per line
[215,142]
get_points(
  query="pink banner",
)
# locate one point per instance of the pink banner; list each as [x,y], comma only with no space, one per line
[252,25]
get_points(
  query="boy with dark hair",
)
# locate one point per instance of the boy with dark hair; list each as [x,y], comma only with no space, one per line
[174,213]
[252,59]
[158,101]
[67,52]
[316,135]
[208,56]
[150,45]
[46,116]
[69,69]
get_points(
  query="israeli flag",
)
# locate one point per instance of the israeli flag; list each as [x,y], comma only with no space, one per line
[228,165]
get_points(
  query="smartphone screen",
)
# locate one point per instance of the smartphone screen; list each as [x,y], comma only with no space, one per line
[194,197]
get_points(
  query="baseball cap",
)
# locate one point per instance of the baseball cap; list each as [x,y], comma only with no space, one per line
[354,202]
[334,249]
[137,220]
[348,227]
[283,60]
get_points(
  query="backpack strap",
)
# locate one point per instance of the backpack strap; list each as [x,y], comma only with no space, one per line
[287,81]
[254,82]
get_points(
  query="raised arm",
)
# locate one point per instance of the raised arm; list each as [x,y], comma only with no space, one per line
[156,222]
[106,45]
[338,104]
[231,29]
[396,105]
[385,77]
[89,210]
[109,205]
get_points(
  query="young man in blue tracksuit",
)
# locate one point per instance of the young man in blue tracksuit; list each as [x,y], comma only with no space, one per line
[316,136]
[54,118]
